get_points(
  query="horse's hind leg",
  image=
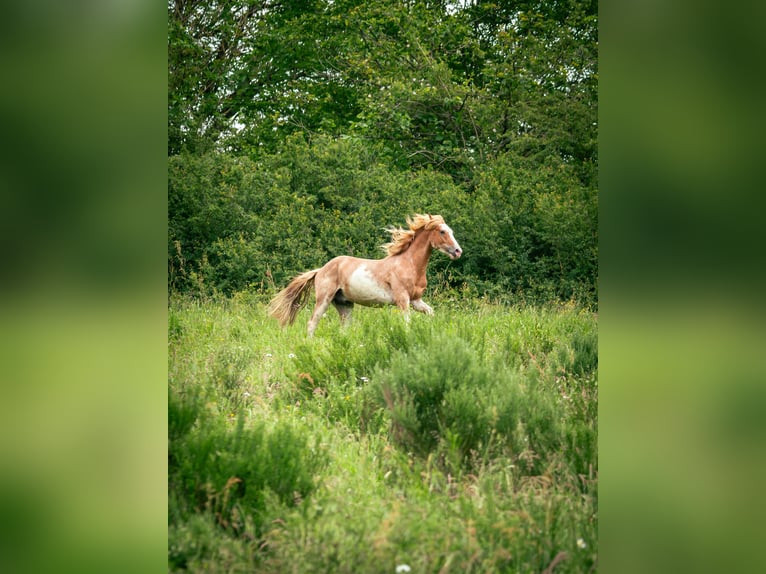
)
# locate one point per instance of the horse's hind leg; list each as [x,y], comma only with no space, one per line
[344,310]
[343,306]
[319,310]
[325,292]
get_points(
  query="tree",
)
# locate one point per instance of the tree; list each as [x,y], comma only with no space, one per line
[444,87]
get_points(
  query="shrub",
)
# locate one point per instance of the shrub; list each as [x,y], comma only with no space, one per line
[443,399]
[183,412]
[529,231]
[226,471]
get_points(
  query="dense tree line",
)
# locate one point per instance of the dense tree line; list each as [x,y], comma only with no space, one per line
[299,129]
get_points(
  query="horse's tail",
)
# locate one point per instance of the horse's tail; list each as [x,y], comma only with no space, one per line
[285,305]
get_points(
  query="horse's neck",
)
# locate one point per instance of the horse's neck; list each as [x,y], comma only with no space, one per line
[420,252]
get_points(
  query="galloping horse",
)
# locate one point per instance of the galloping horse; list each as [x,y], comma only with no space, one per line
[398,279]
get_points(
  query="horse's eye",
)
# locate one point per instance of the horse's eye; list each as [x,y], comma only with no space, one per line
[441,232]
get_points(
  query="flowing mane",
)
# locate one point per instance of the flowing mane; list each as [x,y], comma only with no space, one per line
[402,238]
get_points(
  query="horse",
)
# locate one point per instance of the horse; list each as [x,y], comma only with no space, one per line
[397,279]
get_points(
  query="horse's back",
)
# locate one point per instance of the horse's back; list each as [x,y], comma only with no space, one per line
[346,264]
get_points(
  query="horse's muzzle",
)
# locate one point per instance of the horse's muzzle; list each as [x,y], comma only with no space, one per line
[455,253]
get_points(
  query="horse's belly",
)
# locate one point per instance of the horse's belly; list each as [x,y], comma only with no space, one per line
[364,289]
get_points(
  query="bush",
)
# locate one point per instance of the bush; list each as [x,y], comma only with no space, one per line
[443,399]
[183,412]
[226,471]
[529,231]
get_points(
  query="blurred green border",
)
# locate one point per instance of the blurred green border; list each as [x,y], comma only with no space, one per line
[681,282]
[83,292]
[83,216]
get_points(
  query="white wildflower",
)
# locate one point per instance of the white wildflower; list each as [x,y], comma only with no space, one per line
[403,568]
[291,356]
[581,543]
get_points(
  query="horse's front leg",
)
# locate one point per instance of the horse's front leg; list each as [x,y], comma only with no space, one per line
[422,306]
[403,302]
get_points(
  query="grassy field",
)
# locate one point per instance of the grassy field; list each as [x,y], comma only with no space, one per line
[462,442]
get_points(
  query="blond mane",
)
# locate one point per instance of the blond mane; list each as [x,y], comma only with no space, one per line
[402,238]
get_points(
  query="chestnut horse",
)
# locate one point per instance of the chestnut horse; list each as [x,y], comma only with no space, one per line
[398,279]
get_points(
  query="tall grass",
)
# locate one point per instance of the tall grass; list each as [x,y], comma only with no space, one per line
[462,442]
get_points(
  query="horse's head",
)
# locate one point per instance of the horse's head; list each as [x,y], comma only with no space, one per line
[442,238]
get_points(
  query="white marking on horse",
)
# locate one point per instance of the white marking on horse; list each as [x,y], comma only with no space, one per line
[363,288]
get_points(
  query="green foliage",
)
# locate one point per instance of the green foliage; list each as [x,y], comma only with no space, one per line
[454,89]
[444,399]
[198,544]
[529,232]
[424,392]
[467,438]
[298,131]
[438,85]
[225,470]
[183,412]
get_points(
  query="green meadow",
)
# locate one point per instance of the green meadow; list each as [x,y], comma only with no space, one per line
[461,442]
